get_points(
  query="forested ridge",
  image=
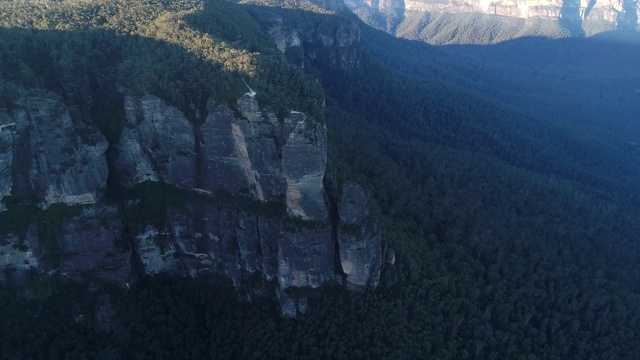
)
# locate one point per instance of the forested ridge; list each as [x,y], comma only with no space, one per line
[72,48]
[516,237]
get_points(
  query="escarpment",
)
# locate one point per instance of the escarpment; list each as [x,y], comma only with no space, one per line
[489,22]
[309,38]
[238,195]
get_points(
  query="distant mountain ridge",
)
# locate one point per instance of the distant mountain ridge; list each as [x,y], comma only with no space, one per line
[448,21]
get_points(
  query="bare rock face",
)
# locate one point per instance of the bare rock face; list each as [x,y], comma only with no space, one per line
[360,256]
[304,158]
[440,22]
[206,238]
[156,254]
[19,258]
[284,36]
[305,257]
[51,158]
[353,206]
[156,144]
[360,242]
[241,155]
[326,44]
[257,155]
[218,239]
[92,242]
[612,11]
[291,305]
[390,256]
[7,140]
[347,40]
[247,193]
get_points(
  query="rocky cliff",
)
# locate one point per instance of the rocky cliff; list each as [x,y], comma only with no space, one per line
[47,156]
[239,195]
[304,36]
[358,239]
[621,12]
[482,21]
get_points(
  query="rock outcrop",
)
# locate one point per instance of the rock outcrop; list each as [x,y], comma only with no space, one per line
[51,157]
[323,43]
[622,12]
[482,21]
[7,138]
[304,158]
[359,239]
[91,242]
[258,156]
[238,195]
[19,258]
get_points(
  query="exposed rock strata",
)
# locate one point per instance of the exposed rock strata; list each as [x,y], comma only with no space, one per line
[259,155]
[19,258]
[304,158]
[622,12]
[51,157]
[359,239]
[325,44]
[91,242]
[305,257]
[236,195]
[7,139]
[488,22]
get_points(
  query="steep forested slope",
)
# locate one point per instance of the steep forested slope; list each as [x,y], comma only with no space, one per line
[515,236]
[529,213]
[587,82]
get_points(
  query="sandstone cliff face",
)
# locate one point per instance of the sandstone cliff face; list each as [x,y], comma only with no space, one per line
[359,239]
[91,242]
[47,155]
[612,11]
[239,195]
[622,12]
[19,258]
[258,156]
[335,45]
[304,158]
[7,138]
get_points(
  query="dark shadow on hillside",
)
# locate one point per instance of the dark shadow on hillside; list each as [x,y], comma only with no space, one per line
[630,21]
[588,9]
[91,72]
[504,110]
[611,52]
[570,17]
[77,64]
[579,81]
[223,21]
[312,39]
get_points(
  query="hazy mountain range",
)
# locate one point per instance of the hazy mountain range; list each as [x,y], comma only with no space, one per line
[455,21]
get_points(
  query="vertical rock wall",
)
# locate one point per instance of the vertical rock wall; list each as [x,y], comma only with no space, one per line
[237,195]
[91,242]
[51,158]
[7,138]
[336,46]
[359,239]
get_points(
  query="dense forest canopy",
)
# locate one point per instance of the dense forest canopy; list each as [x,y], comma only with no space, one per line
[516,235]
[184,51]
